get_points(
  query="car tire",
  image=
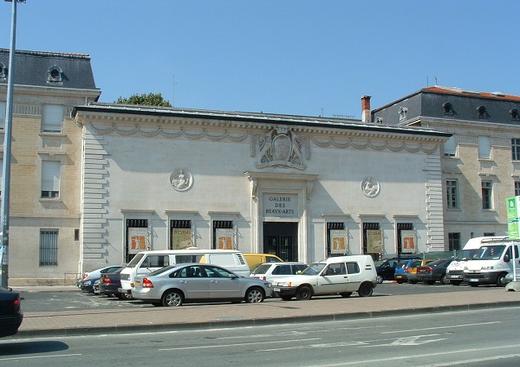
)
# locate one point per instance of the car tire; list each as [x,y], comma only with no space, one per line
[365,289]
[172,298]
[346,294]
[455,282]
[501,280]
[285,298]
[443,280]
[412,281]
[304,293]
[379,279]
[399,281]
[254,295]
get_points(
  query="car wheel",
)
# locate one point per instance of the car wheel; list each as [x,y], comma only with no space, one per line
[399,281]
[455,282]
[304,293]
[365,290]
[285,298]
[346,294]
[379,279]
[172,298]
[444,280]
[501,280]
[254,295]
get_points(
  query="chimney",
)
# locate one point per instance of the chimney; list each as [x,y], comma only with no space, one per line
[365,109]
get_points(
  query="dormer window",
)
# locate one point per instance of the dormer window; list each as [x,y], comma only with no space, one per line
[448,108]
[403,111]
[3,72]
[482,112]
[515,114]
[379,120]
[54,75]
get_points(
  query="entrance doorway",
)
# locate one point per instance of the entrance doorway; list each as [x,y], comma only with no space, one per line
[281,239]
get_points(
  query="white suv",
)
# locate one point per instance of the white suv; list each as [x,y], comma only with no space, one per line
[336,275]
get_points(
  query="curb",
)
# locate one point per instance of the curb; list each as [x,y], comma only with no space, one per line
[258,322]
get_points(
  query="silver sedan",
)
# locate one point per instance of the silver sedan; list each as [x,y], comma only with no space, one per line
[174,285]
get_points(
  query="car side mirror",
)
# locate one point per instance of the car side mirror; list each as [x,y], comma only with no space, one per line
[506,258]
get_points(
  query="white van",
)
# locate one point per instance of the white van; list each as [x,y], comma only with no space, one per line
[341,275]
[455,271]
[491,263]
[147,261]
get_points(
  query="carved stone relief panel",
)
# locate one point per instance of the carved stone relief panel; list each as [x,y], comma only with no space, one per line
[280,147]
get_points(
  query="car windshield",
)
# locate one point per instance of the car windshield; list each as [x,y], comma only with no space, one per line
[135,260]
[313,269]
[489,252]
[467,254]
[261,269]
[437,262]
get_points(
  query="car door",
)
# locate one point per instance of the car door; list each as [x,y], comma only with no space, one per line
[193,282]
[222,283]
[333,279]
[354,276]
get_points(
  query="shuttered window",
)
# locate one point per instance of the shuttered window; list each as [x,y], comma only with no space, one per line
[50,179]
[48,247]
[52,118]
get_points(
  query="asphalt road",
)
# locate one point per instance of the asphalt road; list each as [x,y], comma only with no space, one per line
[472,338]
[49,301]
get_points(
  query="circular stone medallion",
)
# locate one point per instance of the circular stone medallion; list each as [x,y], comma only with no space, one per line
[370,187]
[181,179]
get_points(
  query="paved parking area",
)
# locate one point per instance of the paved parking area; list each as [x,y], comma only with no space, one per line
[74,300]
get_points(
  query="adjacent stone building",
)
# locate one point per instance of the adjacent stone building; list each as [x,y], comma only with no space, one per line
[301,187]
[480,163]
[46,160]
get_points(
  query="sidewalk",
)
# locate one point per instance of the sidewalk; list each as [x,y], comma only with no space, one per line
[270,312]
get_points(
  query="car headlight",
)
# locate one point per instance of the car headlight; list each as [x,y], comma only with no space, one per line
[284,284]
[489,267]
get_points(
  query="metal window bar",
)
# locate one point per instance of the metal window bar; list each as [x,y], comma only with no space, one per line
[367,226]
[180,223]
[49,248]
[225,224]
[135,223]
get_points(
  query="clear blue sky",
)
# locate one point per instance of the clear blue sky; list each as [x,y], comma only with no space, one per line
[283,56]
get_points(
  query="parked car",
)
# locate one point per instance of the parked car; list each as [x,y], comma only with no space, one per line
[146,262]
[407,270]
[253,260]
[272,271]
[435,271]
[386,268]
[10,312]
[174,285]
[89,278]
[341,275]
[110,283]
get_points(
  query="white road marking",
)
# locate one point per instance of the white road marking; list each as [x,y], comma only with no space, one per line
[296,332]
[38,357]
[322,345]
[442,327]
[237,344]
[475,360]
[414,356]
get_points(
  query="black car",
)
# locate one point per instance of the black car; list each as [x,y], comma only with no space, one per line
[10,312]
[386,268]
[433,272]
[110,283]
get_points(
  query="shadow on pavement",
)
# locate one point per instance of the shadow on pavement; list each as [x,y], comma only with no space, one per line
[18,348]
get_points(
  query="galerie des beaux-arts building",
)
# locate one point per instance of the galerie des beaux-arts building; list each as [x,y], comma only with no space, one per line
[95,183]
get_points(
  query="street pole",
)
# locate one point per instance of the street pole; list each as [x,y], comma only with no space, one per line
[6,177]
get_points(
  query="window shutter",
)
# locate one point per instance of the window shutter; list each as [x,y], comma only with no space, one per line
[484,147]
[50,176]
[52,117]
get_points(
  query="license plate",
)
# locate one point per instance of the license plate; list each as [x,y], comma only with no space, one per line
[276,289]
[456,276]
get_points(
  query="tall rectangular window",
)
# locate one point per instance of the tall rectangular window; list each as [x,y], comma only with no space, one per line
[50,179]
[450,147]
[372,239]
[487,195]
[137,237]
[454,241]
[336,239]
[452,200]
[52,118]
[223,234]
[181,234]
[1,176]
[515,149]
[2,114]
[517,188]
[484,147]
[48,247]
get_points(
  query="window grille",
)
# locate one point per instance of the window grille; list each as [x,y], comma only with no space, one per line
[49,247]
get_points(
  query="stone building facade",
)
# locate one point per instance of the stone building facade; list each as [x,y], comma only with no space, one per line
[298,186]
[480,163]
[46,160]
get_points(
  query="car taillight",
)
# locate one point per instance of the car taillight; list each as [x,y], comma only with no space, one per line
[106,280]
[147,283]
[85,275]
[16,304]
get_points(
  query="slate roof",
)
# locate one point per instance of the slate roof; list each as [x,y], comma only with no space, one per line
[32,68]
[253,117]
